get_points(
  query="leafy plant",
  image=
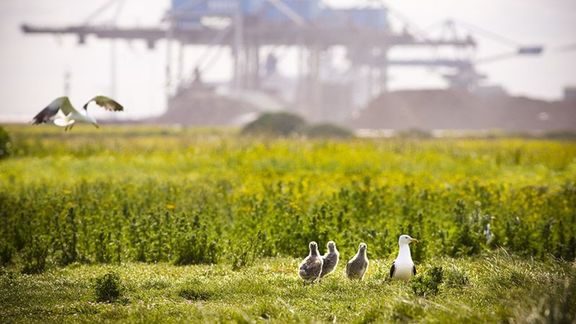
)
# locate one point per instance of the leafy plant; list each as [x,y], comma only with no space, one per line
[35,256]
[108,288]
[427,284]
[197,248]
[5,143]
[455,277]
[6,254]
[328,131]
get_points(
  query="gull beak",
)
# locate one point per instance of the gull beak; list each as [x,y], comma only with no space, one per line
[414,240]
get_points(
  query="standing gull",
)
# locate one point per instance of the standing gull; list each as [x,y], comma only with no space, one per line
[69,115]
[311,267]
[357,266]
[403,267]
[330,259]
[488,234]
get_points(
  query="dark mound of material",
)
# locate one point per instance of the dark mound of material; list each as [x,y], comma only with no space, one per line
[275,124]
[205,109]
[452,109]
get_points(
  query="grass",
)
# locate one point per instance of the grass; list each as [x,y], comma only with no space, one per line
[499,287]
[180,225]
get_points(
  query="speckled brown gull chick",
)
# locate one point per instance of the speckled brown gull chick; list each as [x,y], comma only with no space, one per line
[357,266]
[311,267]
[330,259]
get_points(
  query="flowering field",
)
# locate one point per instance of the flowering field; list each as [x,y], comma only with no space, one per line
[77,203]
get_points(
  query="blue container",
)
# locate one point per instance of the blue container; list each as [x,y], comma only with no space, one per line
[308,10]
[373,18]
[208,7]
[188,5]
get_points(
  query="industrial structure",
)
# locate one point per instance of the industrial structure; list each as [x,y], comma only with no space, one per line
[254,32]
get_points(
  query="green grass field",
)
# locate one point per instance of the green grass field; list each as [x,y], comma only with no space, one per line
[206,225]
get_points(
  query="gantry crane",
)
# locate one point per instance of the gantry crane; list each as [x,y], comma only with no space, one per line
[248,26]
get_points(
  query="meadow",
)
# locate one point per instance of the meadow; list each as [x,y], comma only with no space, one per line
[207,225]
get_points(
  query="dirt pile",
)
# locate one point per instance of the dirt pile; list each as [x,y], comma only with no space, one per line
[205,109]
[452,109]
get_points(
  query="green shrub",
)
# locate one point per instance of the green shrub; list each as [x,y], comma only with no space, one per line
[467,236]
[328,131]
[6,254]
[560,134]
[455,278]
[428,283]
[197,248]
[108,288]
[5,143]
[275,124]
[244,254]
[35,257]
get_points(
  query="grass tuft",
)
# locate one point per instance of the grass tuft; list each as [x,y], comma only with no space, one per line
[195,290]
[108,288]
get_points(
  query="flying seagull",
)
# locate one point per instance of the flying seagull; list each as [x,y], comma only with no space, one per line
[69,114]
[330,259]
[311,267]
[403,267]
[357,266]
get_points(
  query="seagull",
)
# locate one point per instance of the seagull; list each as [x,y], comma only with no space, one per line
[488,234]
[311,267]
[403,267]
[357,266]
[69,114]
[330,259]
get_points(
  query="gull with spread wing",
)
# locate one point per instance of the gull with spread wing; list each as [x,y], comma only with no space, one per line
[69,115]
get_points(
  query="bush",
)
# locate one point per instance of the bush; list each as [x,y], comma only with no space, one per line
[328,131]
[197,248]
[245,252]
[456,278]
[6,254]
[275,124]
[5,143]
[108,288]
[35,257]
[467,236]
[560,135]
[427,284]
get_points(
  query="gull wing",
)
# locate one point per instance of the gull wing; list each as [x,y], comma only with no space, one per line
[392,269]
[48,113]
[106,103]
[414,270]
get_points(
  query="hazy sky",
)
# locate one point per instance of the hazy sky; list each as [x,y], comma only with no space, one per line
[32,67]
